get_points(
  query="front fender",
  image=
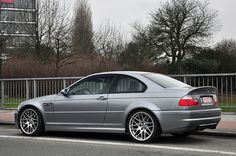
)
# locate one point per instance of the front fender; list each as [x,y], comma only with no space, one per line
[35,104]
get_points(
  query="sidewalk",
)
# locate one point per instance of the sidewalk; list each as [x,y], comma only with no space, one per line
[226,127]
[7,116]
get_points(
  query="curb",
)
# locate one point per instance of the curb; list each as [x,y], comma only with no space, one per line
[228,113]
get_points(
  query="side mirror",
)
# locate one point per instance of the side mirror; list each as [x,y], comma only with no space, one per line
[64,92]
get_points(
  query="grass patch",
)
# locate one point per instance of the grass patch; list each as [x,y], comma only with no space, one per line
[10,105]
[11,102]
[228,109]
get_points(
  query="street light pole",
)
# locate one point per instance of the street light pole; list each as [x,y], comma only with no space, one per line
[57,55]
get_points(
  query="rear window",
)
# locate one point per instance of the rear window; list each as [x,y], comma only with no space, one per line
[128,84]
[165,81]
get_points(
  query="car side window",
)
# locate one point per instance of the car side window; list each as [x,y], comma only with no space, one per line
[92,85]
[127,84]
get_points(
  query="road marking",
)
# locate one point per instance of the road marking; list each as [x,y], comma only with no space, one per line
[121,144]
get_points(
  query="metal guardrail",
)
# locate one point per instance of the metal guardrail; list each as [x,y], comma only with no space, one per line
[225,83]
[14,91]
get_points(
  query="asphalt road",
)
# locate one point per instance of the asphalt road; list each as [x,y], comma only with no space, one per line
[13,143]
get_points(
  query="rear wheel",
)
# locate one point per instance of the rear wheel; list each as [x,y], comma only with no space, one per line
[143,126]
[31,122]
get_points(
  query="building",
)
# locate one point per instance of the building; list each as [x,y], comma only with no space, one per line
[17,22]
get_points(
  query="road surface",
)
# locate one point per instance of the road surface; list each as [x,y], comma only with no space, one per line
[12,142]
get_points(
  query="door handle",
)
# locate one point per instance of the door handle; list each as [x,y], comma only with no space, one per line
[101,98]
[47,104]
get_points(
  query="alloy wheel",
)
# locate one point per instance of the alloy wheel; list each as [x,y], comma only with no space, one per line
[29,121]
[141,126]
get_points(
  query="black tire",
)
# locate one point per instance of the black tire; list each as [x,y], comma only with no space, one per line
[156,131]
[181,135]
[38,129]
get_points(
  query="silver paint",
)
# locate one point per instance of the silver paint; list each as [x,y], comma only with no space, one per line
[90,113]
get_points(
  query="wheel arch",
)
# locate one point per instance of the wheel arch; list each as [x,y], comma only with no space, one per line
[31,106]
[141,106]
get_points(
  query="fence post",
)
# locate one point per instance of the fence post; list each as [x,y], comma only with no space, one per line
[64,83]
[35,89]
[2,94]
[27,89]
[185,80]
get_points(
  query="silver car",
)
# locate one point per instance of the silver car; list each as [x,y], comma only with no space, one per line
[142,104]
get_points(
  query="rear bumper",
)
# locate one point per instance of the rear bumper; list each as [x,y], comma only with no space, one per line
[188,120]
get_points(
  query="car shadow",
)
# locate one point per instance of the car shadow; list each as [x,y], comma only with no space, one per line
[192,139]
[165,139]
[88,136]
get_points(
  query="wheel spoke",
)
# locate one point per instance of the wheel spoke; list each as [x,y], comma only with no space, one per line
[144,133]
[135,118]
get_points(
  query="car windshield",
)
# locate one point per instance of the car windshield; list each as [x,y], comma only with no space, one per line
[164,81]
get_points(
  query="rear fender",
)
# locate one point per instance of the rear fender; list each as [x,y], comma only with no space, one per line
[139,105]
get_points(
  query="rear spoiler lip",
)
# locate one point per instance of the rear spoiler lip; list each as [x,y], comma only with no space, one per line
[207,89]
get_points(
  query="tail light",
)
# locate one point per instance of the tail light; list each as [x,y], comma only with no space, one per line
[188,100]
[215,101]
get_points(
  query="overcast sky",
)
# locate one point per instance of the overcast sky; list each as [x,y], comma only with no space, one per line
[125,12]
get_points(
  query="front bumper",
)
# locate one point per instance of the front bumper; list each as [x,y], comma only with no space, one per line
[188,120]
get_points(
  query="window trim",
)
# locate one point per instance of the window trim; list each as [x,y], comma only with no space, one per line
[92,77]
[115,83]
[145,75]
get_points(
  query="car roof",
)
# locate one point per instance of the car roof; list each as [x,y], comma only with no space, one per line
[121,72]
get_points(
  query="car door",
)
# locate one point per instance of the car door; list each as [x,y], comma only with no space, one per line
[86,102]
[124,91]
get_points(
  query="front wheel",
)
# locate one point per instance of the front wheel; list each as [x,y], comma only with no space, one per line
[31,122]
[143,126]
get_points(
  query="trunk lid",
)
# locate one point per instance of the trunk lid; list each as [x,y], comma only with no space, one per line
[205,96]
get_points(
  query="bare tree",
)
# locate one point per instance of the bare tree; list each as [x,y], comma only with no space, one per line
[178,27]
[2,50]
[46,24]
[52,34]
[109,44]
[6,32]
[83,29]
[227,46]
[109,41]
[142,45]
[63,55]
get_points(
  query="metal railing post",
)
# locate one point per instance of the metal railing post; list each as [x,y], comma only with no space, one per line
[27,89]
[2,94]
[35,89]
[185,80]
[64,83]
